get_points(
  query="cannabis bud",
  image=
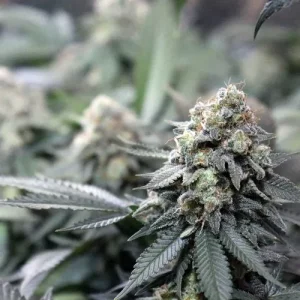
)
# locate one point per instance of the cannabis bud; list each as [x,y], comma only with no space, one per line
[214,205]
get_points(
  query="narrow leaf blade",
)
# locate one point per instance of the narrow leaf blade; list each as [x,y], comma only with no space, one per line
[94,223]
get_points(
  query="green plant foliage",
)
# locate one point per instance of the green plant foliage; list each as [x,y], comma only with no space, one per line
[96,155]
[213,205]
[154,259]
[99,221]
[37,36]
[212,267]
[241,249]
[270,8]
[241,295]
[155,64]
[37,268]
[8,292]
[181,270]
[48,193]
[217,178]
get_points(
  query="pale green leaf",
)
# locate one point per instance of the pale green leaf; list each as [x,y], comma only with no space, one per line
[58,194]
[96,222]
[38,267]
[7,292]
[288,294]
[156,59]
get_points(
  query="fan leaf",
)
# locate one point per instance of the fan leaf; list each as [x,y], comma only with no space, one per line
[181,269]
[154,259]
[8,292]
[288,294]
[212,267]
[38,267]
[282,188]
[242,295]
[244,252]
[144,152]
[48,295]
[96,222]
[60,190]
[270,8]
[166,220]
[289,215]
[166,177]
[279,158]
[43,201]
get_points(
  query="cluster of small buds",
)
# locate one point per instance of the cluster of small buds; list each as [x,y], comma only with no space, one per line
[216,191]
[220,130]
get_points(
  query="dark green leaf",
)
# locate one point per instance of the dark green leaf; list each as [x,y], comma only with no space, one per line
[212,267]
[168,219]
[165,178]
[252,188]
[235,172]
[243,251]
[181,269]
[282,188]
[242,295]
[214,221]
[154,259]
[270,8]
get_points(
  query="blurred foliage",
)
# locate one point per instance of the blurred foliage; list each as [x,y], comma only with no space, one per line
[28,35]
[128,68]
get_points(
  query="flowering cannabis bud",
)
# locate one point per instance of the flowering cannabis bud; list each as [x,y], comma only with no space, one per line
[21,110]
[214,204]
[93,151]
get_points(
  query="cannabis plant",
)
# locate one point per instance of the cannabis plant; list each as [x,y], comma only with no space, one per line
[23,130]
[214,206]
[214,203]
[93,155]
